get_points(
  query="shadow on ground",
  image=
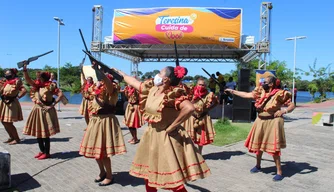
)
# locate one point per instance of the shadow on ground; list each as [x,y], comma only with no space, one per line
[34,140]
[224,155]
[23,182]
[81,117]
[65,155]
[124,179]
[201,189]
[290,119]
[290,168]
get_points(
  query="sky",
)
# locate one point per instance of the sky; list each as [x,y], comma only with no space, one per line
[28,29]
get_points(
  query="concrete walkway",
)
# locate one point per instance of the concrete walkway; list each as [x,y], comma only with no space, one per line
[307,162]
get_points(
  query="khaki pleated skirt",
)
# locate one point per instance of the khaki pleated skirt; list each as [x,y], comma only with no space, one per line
[132,116]
[168,161]
[201,130]
[266,135]
[84,107]
[42,124]
[11,112]
[103,138]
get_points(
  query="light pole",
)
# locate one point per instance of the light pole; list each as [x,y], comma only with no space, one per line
[294,63]
[60,22]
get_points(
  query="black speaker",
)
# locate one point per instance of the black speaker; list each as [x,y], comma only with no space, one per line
[243,80]
[242,108]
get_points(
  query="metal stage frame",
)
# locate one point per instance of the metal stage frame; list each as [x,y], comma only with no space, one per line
[137,53]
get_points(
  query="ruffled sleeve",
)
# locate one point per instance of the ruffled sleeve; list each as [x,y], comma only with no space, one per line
[211,100]
[144,90]
[284,97]
[257,92]
[174,98]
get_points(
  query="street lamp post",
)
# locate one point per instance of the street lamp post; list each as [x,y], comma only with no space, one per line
[60,22]
[294,63]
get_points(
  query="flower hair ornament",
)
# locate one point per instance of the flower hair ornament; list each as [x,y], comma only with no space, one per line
[180,72]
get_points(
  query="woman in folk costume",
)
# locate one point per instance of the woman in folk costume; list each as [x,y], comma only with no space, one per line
[87,96]
[267,133]
[10,109]
[199,125]
[166,157]
[43,120]
[132,116]
[103,137]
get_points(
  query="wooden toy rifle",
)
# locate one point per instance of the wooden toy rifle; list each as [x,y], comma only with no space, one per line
[21,63]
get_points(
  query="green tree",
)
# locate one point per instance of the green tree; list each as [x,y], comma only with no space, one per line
[301,85]
[139,73]
[150,74]
[70,78]
[282,71]
[199,76]
[312,88]
[321,78]
[189,78]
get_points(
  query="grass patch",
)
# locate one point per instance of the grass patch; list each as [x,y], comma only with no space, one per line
[227,132]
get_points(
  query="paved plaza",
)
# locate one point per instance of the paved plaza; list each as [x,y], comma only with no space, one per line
[307,162]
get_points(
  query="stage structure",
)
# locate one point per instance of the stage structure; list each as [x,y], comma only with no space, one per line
[222,52]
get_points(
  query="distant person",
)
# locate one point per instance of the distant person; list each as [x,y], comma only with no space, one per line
[295,96]
[132,117]
[87,91]
[199,125]
[222,84]
[285,88]
[212,83]
[220,77]
[53,78]
[231,84]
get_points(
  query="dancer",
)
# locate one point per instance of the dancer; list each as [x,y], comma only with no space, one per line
[103,137]
[166,157]
[11,90]
[87,96]
[199,125]
[42,121]
[267,133]
[132,116]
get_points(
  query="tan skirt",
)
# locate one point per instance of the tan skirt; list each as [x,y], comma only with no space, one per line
[11,112]
[103,138]
[42,124]
[132,116]
[201,130]
[84,107]
[168,161]
[267,135]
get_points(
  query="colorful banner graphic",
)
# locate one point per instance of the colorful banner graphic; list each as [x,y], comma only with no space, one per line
[262,74]
[183,25]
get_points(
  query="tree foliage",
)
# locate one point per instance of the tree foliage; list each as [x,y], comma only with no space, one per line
[322,79]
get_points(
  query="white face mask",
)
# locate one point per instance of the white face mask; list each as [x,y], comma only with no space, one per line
[157,80]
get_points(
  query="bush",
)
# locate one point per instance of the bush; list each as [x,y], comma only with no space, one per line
[225,121]
[317,100]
